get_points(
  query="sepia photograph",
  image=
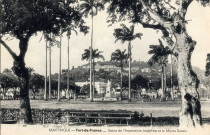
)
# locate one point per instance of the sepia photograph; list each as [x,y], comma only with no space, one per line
[105,67]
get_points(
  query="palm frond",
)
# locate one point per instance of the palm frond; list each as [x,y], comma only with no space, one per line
[125,33]
[87,6]
[119,56]
[86,54]
[138,35]
[131,30]
[160,53]
[125,28]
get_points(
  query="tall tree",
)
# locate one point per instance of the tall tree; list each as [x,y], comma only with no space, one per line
[140,82]
[50,85]
[160,56]
[91,7]
[95,55]
[36,83]
[127,34]
[59,69]
[8,80]
[68,72]
[24,18]
[170,18]
[172,91]
[121,57]
[69,32]
[45,84]
[51,41]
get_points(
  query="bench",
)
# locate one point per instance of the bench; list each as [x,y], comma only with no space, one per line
[98,116]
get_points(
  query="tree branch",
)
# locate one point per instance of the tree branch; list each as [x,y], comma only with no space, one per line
[171,44]
[23,45]
[155,16]
[168,3]
[184,4]
[14,56]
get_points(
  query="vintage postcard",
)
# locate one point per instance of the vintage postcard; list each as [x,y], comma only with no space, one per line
[105,67]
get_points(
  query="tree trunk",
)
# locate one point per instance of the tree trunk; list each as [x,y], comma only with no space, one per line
[22,72]
[59,71]
[34,94]
[121,82]
[91,56]
[68,90]
[129,74]
[4,93]
[25,108]
[23,75]
[164,76]
[190,114]
[49,97]
[45,84]
[163,97]
[93,79]
[172,91]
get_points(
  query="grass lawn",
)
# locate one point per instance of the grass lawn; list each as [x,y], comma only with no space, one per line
[158,109]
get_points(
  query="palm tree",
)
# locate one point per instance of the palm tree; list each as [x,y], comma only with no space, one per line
[160,56]
[69,29]
[121,57]
[87,7]
[52,41]
[59,71]
[127,34]
[45,88]
[50,70]
[68,70]
[172,92]
[49,37]
[96,55]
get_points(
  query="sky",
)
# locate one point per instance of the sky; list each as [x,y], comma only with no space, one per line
[198,28]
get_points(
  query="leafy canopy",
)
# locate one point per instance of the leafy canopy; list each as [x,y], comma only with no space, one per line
[139,82]
[22,18]
[96,54]
[168,16]
[8,79]
[36,82]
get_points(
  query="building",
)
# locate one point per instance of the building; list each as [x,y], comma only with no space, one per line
[105,67]
[99,86]
[146,70]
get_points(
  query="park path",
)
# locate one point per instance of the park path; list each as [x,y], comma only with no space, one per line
[158,109]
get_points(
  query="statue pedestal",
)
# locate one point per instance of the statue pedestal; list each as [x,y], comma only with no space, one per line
[110,95]
[110,99]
